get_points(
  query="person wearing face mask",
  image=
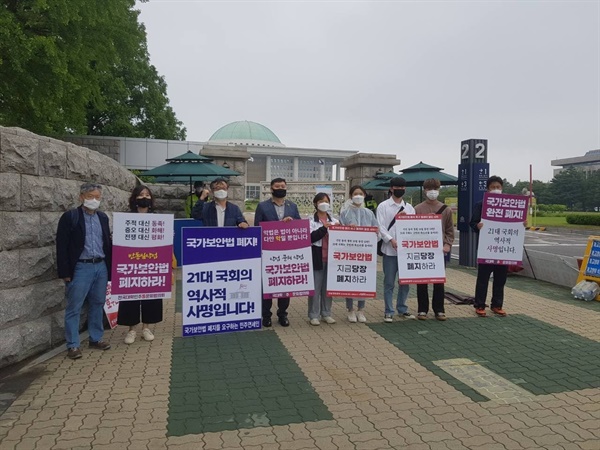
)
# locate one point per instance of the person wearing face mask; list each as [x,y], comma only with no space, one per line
[386,213]
[193,198]
[319,304]
[219,212]
[83,257]
[273,209]
[433,206]
[494,186]
[150,311]
[355,213]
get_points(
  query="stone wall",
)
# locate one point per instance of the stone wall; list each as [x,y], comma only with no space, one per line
[40,179]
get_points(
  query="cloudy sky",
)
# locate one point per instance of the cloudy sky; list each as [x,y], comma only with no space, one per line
[406,78]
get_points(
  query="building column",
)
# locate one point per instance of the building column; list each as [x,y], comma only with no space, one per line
[268,169]
[295,169]
[337,171]
[322,171]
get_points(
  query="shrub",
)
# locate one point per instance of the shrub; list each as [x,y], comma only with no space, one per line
[551,208]
[584,219]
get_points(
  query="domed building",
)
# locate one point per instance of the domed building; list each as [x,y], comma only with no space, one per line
[245,133]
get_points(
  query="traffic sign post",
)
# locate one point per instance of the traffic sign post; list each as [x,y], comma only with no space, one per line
[473,172]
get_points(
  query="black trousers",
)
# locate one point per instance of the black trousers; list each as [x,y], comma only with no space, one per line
[437,301]
[483,278]
[151,312]
[282,305]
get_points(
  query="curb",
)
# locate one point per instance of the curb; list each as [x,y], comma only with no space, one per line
[536,228]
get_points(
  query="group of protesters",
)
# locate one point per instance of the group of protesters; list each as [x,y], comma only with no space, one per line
[84,248]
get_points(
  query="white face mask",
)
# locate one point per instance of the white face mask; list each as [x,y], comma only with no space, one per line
[496,191]
[432,195]
[324,207]
[358,199]
[92,204]
[220,195]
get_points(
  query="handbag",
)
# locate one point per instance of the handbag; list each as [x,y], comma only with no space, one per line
[380,243]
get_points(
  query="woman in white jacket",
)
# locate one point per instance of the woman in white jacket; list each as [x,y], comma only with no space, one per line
[319,304]
[354,213]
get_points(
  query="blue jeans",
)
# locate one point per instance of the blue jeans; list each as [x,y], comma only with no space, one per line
[350,303]
[88,282]
[390,280]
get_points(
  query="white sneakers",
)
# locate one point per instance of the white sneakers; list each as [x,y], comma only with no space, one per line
[357,316]
[130,337]
[316,322]
[146,335]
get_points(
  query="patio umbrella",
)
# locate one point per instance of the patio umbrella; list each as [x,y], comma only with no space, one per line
[414,176]
[189,166]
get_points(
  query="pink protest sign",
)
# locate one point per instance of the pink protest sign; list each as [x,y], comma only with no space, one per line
[502,236]
[142,256]
[287,259]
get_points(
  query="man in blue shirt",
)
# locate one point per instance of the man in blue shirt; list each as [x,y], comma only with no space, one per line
[83,256]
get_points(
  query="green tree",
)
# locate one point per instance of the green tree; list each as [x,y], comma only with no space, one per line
[567,188]
[62,70]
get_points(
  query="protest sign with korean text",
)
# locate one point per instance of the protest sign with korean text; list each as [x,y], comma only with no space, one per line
[420,248]
[142,256]
[221,280]
[111,307]
[502,236]
[352,261]
[287,259]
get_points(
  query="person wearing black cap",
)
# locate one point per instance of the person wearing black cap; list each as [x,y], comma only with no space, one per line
[386,213]
[190,200]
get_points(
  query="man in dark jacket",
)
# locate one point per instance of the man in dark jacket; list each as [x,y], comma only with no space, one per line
[484,271]
[219,212]
[83,255]
[273,209]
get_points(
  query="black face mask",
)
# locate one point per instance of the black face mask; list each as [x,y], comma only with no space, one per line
[279,193]
[143,202]
[398,193]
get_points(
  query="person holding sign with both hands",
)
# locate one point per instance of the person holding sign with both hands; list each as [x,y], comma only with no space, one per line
[319,304]
[386,216]
[141,201]
[433,206]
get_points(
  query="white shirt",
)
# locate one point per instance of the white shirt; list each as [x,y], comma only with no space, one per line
[386,211]
[220,215]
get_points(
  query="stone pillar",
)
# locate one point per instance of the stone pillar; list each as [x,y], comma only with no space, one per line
[237,159]
[322,171]
[268,169]
[363,167]
[295,169]
[337,171]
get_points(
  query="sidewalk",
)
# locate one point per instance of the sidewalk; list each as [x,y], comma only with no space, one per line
[527,381]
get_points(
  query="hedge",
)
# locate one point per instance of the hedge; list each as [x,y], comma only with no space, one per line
[584,219]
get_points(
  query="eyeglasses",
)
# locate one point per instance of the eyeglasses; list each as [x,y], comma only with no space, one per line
[89,196]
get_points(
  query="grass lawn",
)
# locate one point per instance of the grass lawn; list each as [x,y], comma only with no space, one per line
[558,221]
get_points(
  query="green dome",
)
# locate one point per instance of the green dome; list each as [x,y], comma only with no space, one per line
[245,133]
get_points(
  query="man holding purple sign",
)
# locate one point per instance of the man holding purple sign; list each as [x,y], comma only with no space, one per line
[274,209]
